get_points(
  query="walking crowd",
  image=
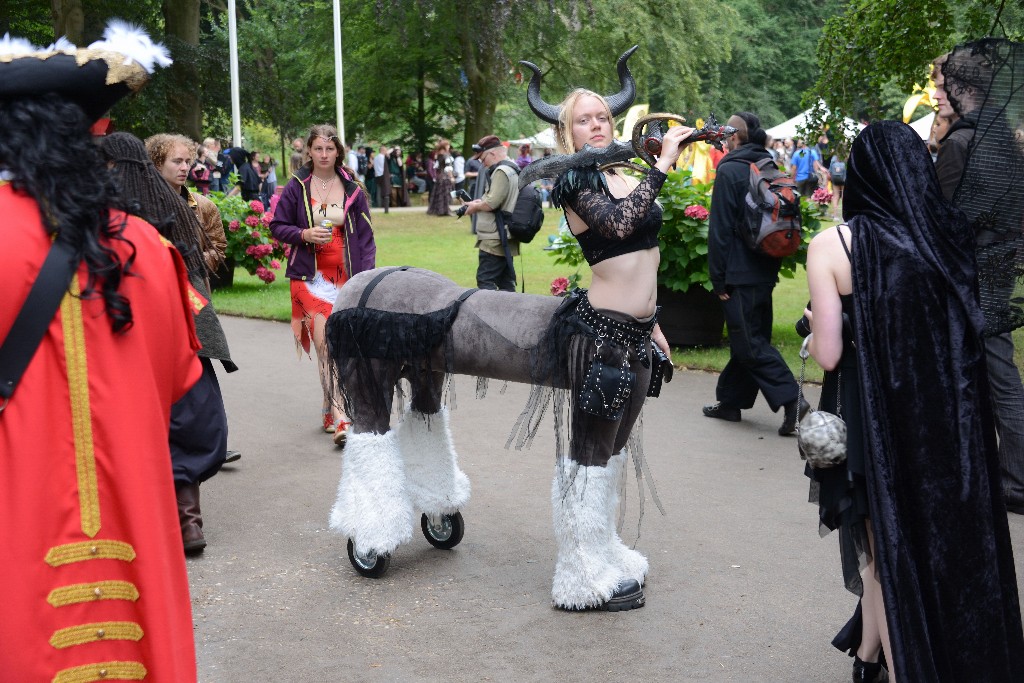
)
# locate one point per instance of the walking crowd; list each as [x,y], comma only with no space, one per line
[110,329]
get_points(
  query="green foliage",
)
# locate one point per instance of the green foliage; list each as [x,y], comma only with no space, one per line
[683,239]
[565,249]
[876,45]
[772,58]
[247,228]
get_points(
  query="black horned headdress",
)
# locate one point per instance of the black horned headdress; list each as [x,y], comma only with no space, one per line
[95,78]
[618,103]
[646,139]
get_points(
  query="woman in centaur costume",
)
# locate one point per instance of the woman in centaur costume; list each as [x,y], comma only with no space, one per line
[594,349]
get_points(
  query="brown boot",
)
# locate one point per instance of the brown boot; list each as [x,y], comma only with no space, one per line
[190,517]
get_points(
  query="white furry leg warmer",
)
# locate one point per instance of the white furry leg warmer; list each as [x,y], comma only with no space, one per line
[581,498]
[631,563]
[373,506]
[435,483]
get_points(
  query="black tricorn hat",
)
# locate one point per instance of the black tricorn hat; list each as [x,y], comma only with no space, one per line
[95,78]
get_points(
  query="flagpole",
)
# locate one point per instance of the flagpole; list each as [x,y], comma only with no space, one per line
[236,103]
[338,77]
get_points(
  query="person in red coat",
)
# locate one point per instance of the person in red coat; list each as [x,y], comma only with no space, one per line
[88,521]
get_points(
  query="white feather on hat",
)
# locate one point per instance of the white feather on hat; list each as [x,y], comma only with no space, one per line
[133,42]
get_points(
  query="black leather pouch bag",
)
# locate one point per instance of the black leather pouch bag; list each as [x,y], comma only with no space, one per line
[606,389]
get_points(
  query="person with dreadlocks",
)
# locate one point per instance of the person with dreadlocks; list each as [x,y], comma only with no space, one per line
[980,165]
[91,543]
[199,426]
[173,155]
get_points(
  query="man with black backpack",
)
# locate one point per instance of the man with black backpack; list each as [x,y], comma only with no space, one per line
[497,247]
[744,280]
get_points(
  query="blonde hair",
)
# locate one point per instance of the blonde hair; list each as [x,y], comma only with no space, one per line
[563,130]
[159,147]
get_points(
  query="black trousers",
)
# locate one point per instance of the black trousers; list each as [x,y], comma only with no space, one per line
[755,365]
[199,430]
[494,272]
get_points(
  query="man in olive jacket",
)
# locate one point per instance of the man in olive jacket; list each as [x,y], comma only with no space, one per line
[744,281]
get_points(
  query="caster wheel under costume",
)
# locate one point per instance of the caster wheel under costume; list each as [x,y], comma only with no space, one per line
[371,565]
[443,531]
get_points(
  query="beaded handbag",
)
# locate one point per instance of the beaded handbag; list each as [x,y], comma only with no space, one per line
[821,436]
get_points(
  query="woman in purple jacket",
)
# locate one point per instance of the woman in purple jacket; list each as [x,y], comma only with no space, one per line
[325,216]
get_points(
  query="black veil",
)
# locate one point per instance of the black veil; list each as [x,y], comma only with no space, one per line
[984,81]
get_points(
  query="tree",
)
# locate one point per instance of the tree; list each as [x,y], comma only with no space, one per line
[772,60]
[184,107]
[878,42]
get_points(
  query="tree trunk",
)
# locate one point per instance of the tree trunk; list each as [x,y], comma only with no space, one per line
[480,68]
[68,20]
[184,106]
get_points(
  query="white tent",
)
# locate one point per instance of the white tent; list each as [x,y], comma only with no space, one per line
[788,129]
[545,139]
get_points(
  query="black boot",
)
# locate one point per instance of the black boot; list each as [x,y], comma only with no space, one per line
[790,417]
[869,672]
[628,595]
[190,517]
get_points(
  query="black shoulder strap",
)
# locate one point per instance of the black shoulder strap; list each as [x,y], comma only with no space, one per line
[842,239]
[373,283]
[35,315]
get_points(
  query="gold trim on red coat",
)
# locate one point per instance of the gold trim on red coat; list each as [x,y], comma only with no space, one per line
[102,671]
[81,410]
[88,592]
[95,632]
[89,550]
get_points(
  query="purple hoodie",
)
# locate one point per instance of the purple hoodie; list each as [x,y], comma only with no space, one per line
[294,214]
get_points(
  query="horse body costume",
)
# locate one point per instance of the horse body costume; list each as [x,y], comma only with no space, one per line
[388,475]
[410,324]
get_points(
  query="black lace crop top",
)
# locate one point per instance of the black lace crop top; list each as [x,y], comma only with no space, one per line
[616,225]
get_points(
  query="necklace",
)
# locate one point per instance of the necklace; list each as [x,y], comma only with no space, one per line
[325,186]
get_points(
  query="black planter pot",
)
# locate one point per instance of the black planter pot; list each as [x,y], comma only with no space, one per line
[224,276]
[691,318]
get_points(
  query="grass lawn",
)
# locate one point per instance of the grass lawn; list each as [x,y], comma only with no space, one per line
[445,245]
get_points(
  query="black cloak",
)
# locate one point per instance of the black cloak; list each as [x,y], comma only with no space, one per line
[942,544]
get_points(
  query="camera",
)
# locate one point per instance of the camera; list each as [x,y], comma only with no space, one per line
[461,194]
[461,211]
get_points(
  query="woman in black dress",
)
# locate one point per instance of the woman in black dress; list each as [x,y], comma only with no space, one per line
[918,503]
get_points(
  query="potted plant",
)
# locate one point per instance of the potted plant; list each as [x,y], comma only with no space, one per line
[691,314]
[250,244]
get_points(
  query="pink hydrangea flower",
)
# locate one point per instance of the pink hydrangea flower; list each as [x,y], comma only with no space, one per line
[251,250]
[697,212]
[275,264]
[265,219]
[256,235]
[263,273]
[256,206]
[233,226]
[252,221]
[559,286]
[821,196]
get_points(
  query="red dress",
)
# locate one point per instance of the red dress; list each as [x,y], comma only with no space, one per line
[92,560]
[312,298]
